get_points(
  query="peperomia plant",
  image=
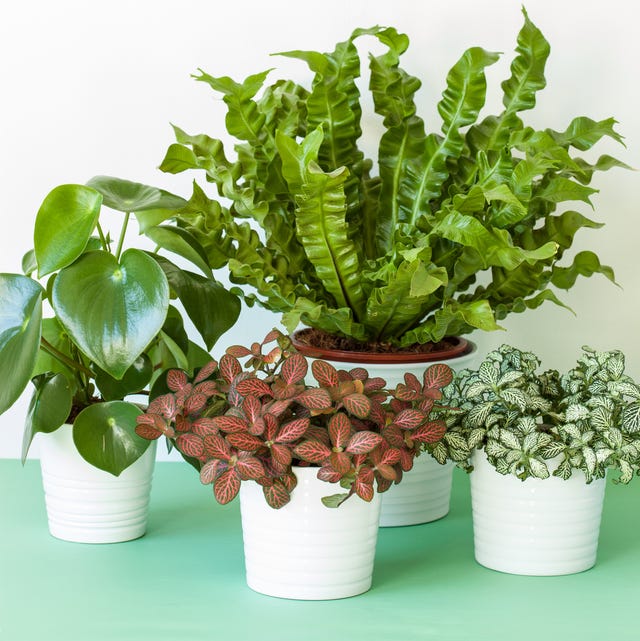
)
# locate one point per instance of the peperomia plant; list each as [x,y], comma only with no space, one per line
[113,328]
[257,422]
[453,231]
[530,424]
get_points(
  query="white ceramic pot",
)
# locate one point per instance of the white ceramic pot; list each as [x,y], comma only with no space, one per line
[537,527]
[88,505]
[305,550]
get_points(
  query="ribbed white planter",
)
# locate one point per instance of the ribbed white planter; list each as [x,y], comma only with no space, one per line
[305,550]
[88,505]
[537,527]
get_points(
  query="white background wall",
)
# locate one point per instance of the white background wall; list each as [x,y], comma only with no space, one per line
[90,88]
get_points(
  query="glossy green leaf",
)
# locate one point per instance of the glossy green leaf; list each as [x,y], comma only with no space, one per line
[104,434]
[135,379]
[20,327]
[182,243]
[54,334]
[112,310]
[212,309]
[126,196]
[49,407]
[64,223]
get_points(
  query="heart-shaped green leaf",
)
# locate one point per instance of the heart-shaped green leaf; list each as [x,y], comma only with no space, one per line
[49,408]
[20,323]
[63,226]
[105,436]
[182,243]
[212,309]
[112,310]
[134,380]
[127,196]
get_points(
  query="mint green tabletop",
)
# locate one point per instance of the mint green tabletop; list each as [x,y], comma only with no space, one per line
[184,580]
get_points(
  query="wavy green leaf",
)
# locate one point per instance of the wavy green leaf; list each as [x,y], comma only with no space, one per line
[586,264]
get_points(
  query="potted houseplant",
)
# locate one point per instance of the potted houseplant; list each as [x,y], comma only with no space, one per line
[113,329]
[542,445]
[452,232]
[263,432]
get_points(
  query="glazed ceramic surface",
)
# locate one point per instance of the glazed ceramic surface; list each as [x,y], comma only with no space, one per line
[534,527]
[305,550]
[87,505]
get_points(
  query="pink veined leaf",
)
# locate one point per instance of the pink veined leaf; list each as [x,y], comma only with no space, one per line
[363,489]
[366,474]
[204,426]
[282,391]
[409,419]
[293,430]
[359,373]
[317,433]
[294,369]
[341,462]
[325,373]
[238,351]
[377,413]
[190,444]
[277,407]
[164,405]
[383,484]
[226,486]
[329,475]
[315,399]
[364,442]
[244,441]
[426,405]
[272,356]
[249,467]
[230,424]
[357,404]
[216,447]
[176,379]
[412,382]
[205,371]
[430,432]
[229,367]
[233,396]
[404,393]
[281,454]
[273,335]
[406,460]
[391,456]
[252,408]
[208,388]
[270,427]
[148,432]
[210,471]
[276,495]
[375,383]
[386,471]
[393,435]
[254,387]
[183,424]
[340,429]
[344,376]
[359,459]
[312,451]
[195,403]
[257,427]
[437,376]
[289,480]
[397,405]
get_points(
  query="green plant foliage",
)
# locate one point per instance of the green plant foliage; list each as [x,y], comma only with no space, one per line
[453,231]
[238,423]
[113,330]
[533,424]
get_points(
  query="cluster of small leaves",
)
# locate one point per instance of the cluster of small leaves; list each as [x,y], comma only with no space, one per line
[587,419]
[255,422]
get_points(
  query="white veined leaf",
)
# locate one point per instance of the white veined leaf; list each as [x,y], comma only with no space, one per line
[629,389]
[538,404]
[478,415]
[603,453]
[563,470]
[512,456]
[626,472]
[488,373]
[509,377]
[576,412]
[526,425]
[455,440]
[495,449]
[531,443]
[615,364]
[515,397]
[502,466]
[601,418]
[476,436]
[553,449]
[572,430]
[631,418]
[510,440]
[439,452]
[458,455]
[614,436]
[590,460]
[538,468]
[475,389]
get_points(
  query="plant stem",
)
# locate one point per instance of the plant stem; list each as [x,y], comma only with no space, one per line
[123,232]
[103,240]
[63,358]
